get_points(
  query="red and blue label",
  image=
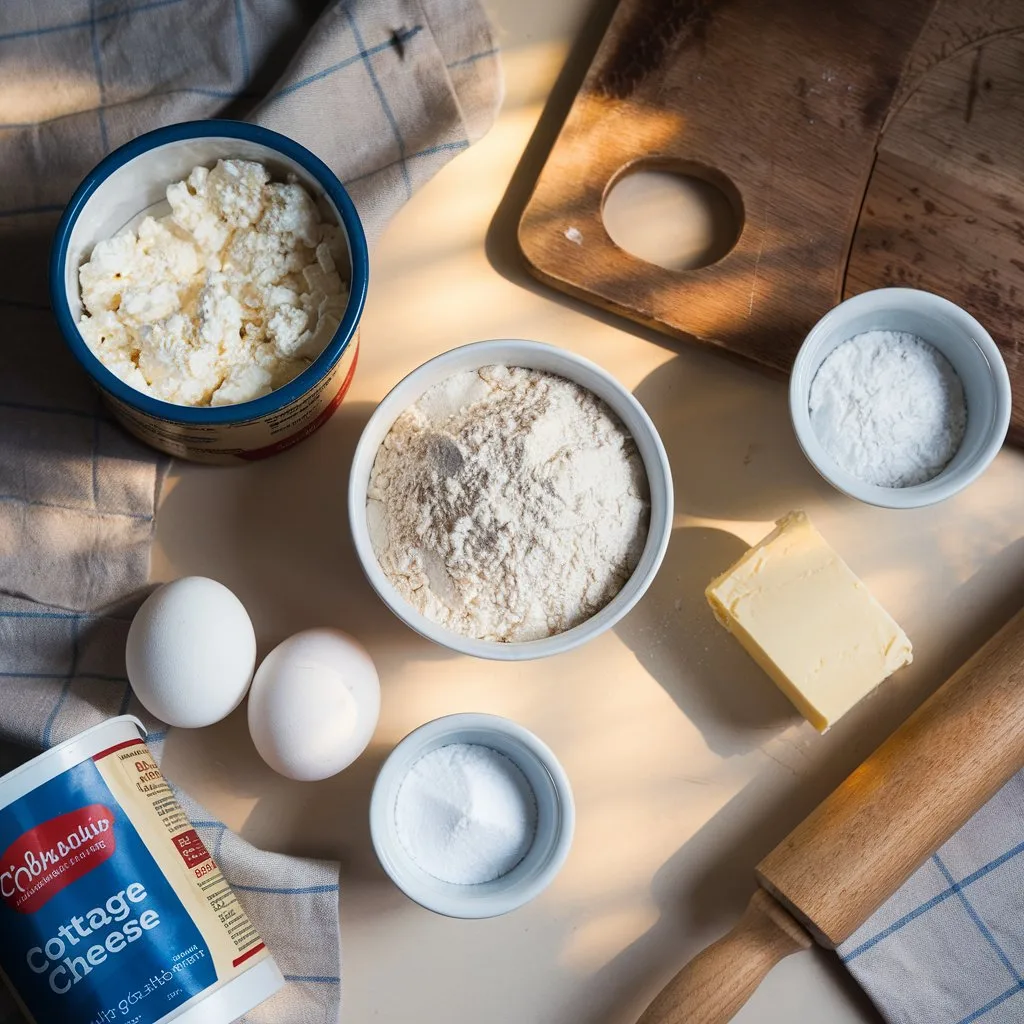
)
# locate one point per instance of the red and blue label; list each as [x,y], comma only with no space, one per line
[91,931]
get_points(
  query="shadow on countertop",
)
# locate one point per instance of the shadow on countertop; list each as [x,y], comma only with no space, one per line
[276,532]
[733,457]
[676,638]
[703,889]
[729,440]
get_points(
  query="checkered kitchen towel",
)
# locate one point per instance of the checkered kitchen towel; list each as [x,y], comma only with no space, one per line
[948,947]
[386,91]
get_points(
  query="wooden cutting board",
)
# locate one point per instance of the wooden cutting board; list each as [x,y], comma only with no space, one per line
[862,144]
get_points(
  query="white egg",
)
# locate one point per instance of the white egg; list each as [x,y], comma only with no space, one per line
[191,651]
[314,704]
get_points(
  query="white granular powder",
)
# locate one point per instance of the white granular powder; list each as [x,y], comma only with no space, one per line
[889,408]
[465,814]
[508,504]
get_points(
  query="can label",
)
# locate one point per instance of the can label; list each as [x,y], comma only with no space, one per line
[111,907]
[259,438]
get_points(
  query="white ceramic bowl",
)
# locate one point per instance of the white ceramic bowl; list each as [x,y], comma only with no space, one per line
[960,338]
[556,817]
[533,355]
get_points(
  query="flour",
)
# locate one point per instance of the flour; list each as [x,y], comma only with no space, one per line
[508,504]
[465,814]
[889,408]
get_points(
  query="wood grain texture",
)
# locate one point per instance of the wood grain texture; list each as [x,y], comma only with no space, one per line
[864,144]
[775,100]
[862,843]
[714,985]
[944,208]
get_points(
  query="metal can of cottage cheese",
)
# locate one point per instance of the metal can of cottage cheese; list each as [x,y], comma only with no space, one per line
[111,907]
[131,183]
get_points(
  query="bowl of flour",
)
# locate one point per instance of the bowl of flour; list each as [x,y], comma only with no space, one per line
[209,276]
[899,398]
[510,500]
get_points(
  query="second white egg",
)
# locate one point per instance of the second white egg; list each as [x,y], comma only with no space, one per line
[314,704]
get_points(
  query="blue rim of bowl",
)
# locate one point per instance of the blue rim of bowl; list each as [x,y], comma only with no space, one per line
[280,397]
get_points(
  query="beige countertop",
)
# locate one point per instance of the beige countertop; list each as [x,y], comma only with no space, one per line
[687,763]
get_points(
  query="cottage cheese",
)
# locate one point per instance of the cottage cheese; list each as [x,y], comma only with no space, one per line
[230,296]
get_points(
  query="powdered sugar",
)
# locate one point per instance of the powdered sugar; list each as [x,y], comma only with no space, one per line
[508,504]
[889,408]
[465,814]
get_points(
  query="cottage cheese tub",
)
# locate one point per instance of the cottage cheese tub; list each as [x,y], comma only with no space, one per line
[130,185]
[111,908]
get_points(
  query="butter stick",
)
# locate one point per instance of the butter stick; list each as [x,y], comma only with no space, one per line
[808,621]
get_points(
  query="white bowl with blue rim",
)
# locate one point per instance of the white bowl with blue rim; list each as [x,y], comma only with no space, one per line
[552,837]
[130,184]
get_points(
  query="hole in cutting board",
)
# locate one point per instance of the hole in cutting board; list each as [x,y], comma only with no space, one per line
[680,216]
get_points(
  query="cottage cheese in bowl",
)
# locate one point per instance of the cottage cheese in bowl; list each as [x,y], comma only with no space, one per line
[210,277]
[229,296]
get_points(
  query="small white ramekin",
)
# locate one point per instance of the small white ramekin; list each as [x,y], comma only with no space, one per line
[534,356]
[960,338]
[556,817]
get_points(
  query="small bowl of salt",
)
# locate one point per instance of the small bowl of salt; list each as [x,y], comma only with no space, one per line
[472,816]
[899,398]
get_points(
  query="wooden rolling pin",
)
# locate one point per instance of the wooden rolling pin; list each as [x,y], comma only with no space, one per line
[862,843]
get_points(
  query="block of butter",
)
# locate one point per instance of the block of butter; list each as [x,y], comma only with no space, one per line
[808,621]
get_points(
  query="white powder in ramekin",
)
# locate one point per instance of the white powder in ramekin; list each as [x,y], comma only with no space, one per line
[465,814]
[889,408]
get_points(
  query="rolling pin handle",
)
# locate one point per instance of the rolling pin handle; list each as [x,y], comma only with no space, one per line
[713,986]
